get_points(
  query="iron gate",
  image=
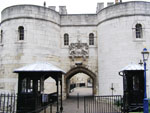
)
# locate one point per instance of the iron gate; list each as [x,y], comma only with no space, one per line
[103,104]
[8,103]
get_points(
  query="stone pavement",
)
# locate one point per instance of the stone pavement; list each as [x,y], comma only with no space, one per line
[71,105]
[101,105]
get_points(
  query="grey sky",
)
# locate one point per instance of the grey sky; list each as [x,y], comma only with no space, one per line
[73,6]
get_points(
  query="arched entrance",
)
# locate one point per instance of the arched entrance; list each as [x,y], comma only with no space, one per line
[76,70]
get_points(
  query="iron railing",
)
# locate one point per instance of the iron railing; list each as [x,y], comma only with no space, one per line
[103,104]
[8,103]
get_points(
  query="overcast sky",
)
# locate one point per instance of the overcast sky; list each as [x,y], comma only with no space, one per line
[73,6]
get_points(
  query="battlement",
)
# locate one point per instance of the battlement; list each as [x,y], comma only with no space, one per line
[99,6]
[31,11]
[124,10]
[52,7]
[110,3]
[62,10]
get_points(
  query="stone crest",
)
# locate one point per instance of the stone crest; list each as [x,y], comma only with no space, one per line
[79,50]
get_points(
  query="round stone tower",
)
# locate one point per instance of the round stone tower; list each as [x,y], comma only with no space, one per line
[123,31]
[30,34]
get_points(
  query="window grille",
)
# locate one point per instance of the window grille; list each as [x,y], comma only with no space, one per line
[21,32]
[66,39]
[91,39]
[138,29]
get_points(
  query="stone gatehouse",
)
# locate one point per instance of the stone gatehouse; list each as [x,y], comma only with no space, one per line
[99,44]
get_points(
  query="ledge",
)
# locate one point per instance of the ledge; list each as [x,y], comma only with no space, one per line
[139,40]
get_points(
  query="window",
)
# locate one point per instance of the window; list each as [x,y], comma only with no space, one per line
[39,85]
[138,29]
[135,83]
[24,85]
[1,39]
[21,32]
[91,39]
[66,39]
[30,86]
[27,85]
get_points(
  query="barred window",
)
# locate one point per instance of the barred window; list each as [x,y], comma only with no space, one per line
[21,32]
[91,39]
[138,29]
[66,39]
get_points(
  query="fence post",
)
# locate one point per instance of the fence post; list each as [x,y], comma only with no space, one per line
[78,100]
[84,105]
[0,101]
[4,104]
[50,107]
[7,101]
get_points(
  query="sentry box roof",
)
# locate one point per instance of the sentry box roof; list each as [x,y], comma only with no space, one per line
[39,67]
[132,67]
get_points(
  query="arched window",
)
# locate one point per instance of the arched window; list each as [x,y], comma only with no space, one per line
[138,29]
[21,32]
[91,39]
[66,39]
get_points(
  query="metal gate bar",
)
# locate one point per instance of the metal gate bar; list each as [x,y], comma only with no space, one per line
[8,103]
[103,104]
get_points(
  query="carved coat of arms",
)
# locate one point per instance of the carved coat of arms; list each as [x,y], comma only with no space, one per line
[78,50]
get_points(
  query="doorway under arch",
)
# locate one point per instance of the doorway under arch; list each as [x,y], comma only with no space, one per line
[80,69]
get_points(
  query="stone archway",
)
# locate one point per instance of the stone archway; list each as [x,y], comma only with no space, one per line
[80,69]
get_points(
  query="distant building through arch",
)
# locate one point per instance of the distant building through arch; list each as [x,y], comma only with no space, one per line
[76,70]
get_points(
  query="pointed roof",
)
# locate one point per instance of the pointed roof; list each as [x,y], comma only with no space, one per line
[39,67]
[132,67]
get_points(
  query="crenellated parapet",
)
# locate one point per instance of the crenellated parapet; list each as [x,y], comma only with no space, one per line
[30,12]
[110,3]
[52,7]
[62,10]
[99,7]
[124,9]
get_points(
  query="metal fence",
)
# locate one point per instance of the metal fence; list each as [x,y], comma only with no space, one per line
[8,103]
[103,104]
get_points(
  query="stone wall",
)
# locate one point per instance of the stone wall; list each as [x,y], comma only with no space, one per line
[117,43]
[43,40]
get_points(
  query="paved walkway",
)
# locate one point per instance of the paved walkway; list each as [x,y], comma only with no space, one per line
[82,91]
[72,105]
[75,105]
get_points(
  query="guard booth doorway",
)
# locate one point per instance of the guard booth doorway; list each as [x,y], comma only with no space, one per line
[133,87]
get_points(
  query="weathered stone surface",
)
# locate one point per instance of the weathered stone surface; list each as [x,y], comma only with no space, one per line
[115,45]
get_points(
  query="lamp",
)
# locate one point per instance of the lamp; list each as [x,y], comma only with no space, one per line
[145,54]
